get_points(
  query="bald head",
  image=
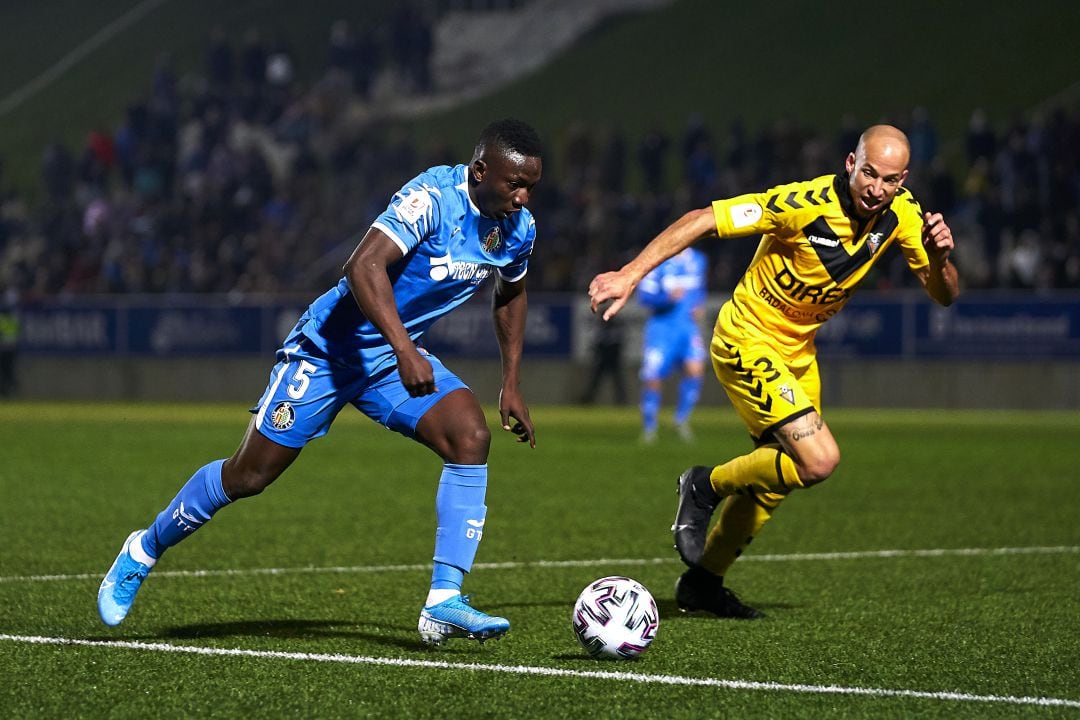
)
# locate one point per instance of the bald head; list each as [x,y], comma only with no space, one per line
[877,168]
[884,143]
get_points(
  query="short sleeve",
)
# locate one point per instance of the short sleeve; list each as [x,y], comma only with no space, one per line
[518,268]
[412,215]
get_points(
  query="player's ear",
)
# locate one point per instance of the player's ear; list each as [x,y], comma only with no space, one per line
[903,177]
[849,163]
[478,169]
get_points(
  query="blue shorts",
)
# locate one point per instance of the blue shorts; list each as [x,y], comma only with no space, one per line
[669,346]
[307,390]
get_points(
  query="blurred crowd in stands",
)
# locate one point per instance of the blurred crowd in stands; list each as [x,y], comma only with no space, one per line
[245,180]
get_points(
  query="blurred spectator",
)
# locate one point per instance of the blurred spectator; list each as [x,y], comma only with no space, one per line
[249,181]
[220,61]
[253,59]
[922,135]
[980,143]
[57,171]
[652,157]
[411,44]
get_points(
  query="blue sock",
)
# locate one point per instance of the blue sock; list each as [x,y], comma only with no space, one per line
[650,408]
[196,503]
[689,393]
[460,513]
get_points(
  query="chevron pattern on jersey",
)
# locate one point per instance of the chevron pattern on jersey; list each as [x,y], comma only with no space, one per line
[794,200]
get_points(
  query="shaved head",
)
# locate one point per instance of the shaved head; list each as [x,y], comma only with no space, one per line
[877,168]
[884,143]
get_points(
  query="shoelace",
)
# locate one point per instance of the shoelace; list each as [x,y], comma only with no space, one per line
[126,589]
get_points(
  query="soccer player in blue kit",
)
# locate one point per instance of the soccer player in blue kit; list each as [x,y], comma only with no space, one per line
[442,235]
[674,293]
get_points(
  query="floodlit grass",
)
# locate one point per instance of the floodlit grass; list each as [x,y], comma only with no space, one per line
[349,530]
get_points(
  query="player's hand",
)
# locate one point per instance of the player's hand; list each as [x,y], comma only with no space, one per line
[514,415]
[937,238]
[614,286]
[416,373]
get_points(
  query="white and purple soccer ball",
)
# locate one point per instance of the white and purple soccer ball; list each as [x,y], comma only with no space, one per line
[615,617]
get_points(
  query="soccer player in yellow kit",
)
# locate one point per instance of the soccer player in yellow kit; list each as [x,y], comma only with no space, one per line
[819,239]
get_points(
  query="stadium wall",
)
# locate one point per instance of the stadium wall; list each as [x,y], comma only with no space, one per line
[894,350]
[1045,384]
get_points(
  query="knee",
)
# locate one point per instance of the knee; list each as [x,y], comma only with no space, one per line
[466,444]
[241,482]
[818,468]
[470,445]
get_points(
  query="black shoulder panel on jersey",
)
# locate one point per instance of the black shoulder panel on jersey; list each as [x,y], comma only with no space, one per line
[834,257]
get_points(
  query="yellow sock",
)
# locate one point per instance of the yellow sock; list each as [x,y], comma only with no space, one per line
[741,519]
[768,469]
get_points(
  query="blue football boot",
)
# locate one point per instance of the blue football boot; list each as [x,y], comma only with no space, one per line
[117,591]
[456,618]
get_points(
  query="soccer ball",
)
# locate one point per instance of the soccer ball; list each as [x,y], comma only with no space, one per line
[615,617]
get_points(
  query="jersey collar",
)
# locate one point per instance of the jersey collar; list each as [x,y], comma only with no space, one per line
[463,186]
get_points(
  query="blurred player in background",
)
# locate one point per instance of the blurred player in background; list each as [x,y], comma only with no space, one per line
[674,293]
[819,239]
[441,236]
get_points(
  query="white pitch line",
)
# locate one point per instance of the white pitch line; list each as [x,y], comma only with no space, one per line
[423,567]
[76,55]
[551,672]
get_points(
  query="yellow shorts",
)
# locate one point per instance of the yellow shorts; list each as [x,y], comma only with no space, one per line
[765,390]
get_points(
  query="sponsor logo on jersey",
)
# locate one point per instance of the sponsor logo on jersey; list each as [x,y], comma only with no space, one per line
[804,292]
[446,267]
[823,241]
[283,416]
[492,241]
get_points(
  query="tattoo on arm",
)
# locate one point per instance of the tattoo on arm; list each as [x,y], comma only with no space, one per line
[806,427]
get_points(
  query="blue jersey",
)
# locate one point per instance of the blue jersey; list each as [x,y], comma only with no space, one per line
[676,287]
[673,292]
[448,249]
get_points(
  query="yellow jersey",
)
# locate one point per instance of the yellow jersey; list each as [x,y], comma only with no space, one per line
[814,251]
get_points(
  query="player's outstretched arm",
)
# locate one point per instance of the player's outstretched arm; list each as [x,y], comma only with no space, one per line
[941,281]
[510,308]
[619,285]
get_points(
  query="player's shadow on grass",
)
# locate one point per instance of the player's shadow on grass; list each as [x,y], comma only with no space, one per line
[669,610]
[286,629]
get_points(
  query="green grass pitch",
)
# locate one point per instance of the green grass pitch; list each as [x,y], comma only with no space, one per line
[935,575]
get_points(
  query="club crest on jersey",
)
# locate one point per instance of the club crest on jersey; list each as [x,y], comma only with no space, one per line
[873,241]
[787,393]
[283,416]
[492,240]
